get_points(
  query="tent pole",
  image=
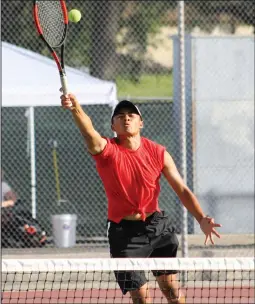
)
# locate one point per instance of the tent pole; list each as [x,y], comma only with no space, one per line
[32,160]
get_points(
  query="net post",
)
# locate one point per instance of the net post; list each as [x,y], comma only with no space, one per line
[181,35]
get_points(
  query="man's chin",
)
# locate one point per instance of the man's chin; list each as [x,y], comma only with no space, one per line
[127,134]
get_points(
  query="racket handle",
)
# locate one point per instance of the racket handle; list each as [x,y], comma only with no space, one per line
[63,80]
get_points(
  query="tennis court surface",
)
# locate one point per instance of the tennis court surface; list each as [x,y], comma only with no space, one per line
[201,280]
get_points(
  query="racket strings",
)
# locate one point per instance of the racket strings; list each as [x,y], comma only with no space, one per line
[51,19]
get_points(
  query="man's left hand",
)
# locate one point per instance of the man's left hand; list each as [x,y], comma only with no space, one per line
[208,226]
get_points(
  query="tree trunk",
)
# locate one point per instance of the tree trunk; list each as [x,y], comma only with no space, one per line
[105,20]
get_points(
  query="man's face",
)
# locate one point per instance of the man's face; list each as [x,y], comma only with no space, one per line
[127,123]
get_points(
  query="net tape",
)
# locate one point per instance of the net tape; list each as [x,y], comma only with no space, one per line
[192,264]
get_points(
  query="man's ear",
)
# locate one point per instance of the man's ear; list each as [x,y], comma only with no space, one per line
[141,124]
[112,127]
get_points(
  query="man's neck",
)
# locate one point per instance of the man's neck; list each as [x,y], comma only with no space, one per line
[129,142]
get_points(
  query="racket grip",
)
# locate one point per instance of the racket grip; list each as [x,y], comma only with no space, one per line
[63,80]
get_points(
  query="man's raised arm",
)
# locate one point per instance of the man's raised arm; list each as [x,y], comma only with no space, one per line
[94,141]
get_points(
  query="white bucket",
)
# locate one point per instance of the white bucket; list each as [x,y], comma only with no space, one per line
[64,230]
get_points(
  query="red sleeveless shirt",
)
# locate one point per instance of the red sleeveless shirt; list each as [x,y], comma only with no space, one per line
[131,178]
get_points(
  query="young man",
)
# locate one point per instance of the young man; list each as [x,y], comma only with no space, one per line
[130,167]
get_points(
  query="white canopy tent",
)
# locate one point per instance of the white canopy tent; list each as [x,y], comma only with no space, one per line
[30,80]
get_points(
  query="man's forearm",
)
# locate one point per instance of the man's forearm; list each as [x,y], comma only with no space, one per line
[82,121]
[190,201]
[95,143]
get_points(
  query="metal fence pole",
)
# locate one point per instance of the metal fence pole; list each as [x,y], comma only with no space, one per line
[32,159]
[181,35]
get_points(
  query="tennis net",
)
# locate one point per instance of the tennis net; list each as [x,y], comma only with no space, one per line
[201,280]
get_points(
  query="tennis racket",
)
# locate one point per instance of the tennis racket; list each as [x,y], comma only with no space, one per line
[51,20]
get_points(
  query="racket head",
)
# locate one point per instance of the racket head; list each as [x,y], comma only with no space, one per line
[51,20]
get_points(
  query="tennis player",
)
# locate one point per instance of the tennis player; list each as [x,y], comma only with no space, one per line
[130,167]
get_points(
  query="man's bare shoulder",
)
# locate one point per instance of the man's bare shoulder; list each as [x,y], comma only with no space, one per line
[148,142]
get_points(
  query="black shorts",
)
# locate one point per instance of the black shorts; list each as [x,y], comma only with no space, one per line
[152,238]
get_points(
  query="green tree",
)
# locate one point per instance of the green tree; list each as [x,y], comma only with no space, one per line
[208,14]
[17,26]
[105,18]
[141,19]
[113,36]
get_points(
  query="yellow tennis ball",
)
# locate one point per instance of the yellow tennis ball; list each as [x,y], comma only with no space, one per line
[74,15]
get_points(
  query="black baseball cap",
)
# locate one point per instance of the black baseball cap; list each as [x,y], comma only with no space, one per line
[126,104]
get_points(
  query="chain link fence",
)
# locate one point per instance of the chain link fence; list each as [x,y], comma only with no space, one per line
[135,45]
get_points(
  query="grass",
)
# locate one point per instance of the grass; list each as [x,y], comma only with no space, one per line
[149,86]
